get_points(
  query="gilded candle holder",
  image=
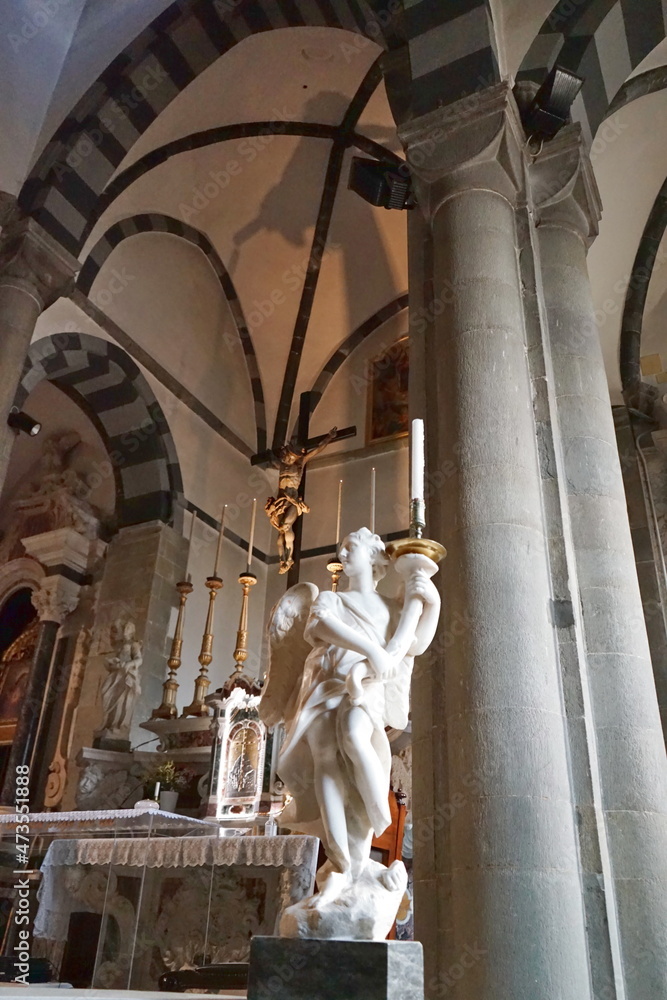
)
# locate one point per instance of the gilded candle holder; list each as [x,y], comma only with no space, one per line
[168,710]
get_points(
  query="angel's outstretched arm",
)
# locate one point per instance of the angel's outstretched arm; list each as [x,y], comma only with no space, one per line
[329,628]
[419,618]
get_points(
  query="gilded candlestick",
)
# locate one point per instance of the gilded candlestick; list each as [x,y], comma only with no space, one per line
[168,710]
[247,580]
[202,681]
[335,568]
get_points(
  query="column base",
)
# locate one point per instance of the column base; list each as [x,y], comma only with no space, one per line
[301,969]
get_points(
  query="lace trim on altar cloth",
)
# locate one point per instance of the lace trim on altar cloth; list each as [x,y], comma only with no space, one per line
[97,816]
[184,852]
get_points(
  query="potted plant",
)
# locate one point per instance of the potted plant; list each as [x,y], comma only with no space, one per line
[169,780]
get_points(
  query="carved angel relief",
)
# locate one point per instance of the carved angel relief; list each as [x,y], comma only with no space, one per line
[339,674]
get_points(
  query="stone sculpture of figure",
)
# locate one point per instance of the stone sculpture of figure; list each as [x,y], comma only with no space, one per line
[284,509]
[339,674]
[121,686]
[54,469]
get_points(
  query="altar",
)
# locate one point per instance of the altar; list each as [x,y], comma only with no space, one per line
[169,903]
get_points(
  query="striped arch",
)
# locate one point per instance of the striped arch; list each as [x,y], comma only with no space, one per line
[107,384]
[648,254]
[603,40]
[351,342]
[156,223]
[441,51]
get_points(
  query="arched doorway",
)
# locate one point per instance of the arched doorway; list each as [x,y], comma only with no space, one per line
[18,637]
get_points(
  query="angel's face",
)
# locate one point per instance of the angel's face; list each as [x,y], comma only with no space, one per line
[355,557]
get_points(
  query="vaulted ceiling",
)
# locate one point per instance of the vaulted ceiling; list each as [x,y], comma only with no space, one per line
[209,206]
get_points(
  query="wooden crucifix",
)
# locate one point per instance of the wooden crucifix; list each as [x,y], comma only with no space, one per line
[284,511]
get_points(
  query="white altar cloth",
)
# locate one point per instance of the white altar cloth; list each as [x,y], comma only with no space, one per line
[294,856]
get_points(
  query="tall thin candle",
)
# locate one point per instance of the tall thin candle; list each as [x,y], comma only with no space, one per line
[219,548]
[188,574]
[373,500]
[252,531]
[340,505]
[417,469]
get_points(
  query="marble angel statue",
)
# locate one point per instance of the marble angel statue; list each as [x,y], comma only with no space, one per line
[339,674]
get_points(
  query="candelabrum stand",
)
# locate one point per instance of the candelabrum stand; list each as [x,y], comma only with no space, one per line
[247,580]
[410,555]
[335,568]
[202,681]
[168,710]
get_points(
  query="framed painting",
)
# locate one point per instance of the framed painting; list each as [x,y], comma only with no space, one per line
[388,394]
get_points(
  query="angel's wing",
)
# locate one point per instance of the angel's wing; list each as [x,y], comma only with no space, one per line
[288,651]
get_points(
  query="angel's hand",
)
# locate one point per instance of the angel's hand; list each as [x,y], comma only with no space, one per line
[419,585]
[384,664]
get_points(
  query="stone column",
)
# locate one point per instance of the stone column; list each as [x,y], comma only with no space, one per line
[498,891]
[626,722]
[64,554]
[34,271]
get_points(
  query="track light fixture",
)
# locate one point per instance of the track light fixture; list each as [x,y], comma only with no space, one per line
[380,184]
[549,110]
[20,421]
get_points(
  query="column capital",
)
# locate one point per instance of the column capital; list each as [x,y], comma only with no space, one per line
[563,188]
[30,256]
[64,548]
[64,552]
[475,143]
[56,598]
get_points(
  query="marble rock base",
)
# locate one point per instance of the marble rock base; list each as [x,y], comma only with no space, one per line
[306,969]
[361,911]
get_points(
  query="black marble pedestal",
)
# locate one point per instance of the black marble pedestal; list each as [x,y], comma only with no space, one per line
[304,969]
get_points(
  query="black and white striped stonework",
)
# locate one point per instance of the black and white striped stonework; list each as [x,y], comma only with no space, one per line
[444,46]
[153,222]
[112,391]
[603,40]
[441,52]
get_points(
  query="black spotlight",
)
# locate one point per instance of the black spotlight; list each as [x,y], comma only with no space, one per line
[20,421]
[380,184]
[550,108]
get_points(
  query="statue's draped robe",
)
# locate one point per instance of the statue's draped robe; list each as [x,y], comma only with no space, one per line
[323,689]
[120,690]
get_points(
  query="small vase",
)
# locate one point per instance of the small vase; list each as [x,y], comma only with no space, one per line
[168,800]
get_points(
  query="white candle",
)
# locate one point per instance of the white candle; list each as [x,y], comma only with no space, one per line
[252,531]
[417,468]
[188,575]
[340,504]
[373,500]
[219,548]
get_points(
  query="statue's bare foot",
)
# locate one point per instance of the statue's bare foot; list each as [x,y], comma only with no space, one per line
[394,877]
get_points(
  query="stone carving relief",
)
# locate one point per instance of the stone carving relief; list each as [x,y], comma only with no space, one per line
[195,919]
[53,494]
[108,786]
